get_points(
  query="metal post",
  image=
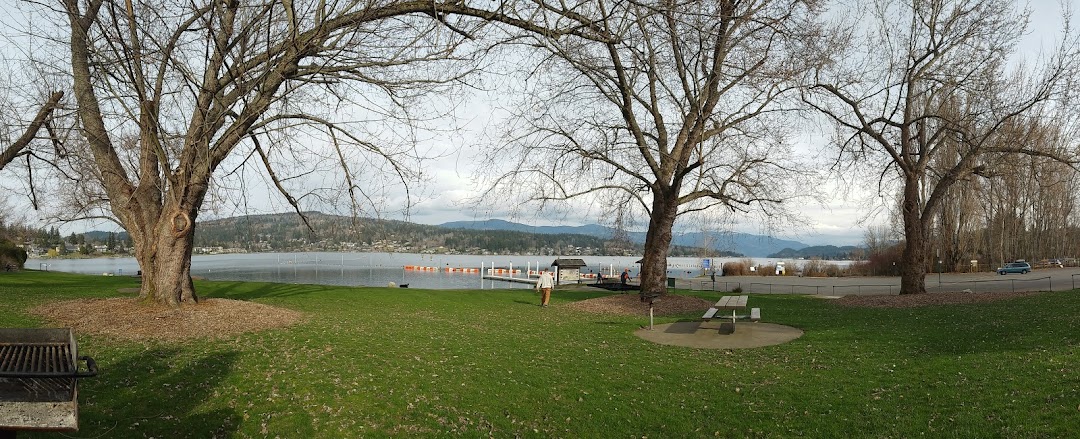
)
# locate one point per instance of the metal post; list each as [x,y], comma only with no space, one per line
[650,316]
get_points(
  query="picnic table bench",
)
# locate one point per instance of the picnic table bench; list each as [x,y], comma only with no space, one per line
[733,304]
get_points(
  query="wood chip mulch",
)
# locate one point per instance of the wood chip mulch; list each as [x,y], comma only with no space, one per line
[129,319]
[928,299]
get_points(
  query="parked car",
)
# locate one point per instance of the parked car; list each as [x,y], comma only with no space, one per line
[1015,267]
[1055,263]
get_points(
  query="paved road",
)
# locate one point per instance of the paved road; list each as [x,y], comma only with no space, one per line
[1045,279]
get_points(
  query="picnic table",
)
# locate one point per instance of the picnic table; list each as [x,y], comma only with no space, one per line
[733,304]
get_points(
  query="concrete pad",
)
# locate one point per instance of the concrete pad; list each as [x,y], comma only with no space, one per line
[711,336]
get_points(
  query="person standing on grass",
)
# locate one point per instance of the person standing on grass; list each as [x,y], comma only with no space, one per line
[544,285]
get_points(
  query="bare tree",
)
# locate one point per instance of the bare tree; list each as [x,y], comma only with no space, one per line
[169,93]
[681,106]
[935,79]
[1029,199]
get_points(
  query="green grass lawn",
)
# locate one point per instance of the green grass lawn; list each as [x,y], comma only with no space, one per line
[379,362]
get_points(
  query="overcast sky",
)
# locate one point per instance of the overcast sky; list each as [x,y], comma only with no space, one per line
[840,221]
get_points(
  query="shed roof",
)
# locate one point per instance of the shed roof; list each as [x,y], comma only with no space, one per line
[569,263]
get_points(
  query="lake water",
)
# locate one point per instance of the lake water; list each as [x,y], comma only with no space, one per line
[367,269]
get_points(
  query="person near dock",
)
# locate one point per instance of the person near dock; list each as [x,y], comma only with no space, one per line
[544,285]
[624,277]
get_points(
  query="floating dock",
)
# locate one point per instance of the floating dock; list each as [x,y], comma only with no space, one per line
[465,269]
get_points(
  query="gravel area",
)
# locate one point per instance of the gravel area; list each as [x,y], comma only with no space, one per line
[129,319]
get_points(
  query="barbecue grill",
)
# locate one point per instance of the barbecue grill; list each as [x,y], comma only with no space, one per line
[39,372]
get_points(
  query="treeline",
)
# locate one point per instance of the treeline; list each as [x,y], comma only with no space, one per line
[829,252]
[1026,210]
[51,243]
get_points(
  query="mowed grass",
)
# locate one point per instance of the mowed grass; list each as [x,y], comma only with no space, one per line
[379,362]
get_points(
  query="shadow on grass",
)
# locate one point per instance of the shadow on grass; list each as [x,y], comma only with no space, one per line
[157,393]
[256,290]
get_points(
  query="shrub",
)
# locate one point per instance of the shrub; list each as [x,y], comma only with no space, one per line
[861,268]
[739,268]
[833,270]
[813,267]
[11,256]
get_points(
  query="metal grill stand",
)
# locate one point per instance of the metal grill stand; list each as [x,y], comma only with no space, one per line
[39,369]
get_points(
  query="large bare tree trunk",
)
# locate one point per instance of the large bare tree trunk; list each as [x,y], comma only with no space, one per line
[653,276]
[163,249]
[913,271]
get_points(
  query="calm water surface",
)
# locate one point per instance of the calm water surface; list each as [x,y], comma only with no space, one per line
[366,269]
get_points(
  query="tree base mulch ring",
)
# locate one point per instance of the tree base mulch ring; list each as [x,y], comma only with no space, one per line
[131,319]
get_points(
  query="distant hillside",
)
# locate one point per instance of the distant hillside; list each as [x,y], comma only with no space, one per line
[735,243]
[830,252]
[286,232]
[496,224]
